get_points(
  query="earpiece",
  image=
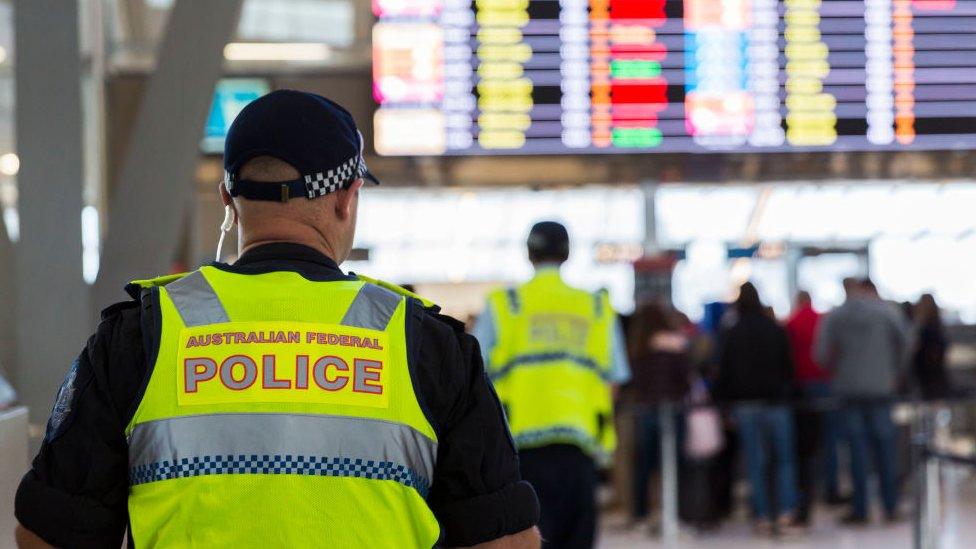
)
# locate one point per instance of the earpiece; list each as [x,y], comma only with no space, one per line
[228,223]
[225,228]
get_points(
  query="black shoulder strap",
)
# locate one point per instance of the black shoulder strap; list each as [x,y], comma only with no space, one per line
[151,325]
[414,320]
[599,302]
[514,301]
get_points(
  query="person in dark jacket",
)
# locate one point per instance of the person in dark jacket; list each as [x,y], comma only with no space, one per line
[660,365]
[928,362]
[756,371]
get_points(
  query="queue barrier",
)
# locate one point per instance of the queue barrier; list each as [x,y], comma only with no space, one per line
[927,418]
[929,460]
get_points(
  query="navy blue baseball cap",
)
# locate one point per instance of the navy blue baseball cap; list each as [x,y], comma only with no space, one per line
[314,135]
[549,239]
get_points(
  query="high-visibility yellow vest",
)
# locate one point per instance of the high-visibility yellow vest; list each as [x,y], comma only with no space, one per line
[551,364]
[280,412]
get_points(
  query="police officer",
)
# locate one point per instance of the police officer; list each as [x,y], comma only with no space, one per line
[278,402]
[554,354]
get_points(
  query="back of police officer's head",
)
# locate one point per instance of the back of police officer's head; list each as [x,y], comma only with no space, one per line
[326,223]
[548,243]
[293,164]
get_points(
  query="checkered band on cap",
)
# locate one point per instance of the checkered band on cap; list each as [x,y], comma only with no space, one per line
[321,184]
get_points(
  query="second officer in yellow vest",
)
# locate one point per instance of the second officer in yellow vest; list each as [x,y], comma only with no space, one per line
[278,402]
[554,354]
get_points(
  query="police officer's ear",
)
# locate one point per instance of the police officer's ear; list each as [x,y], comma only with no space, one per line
[346,200]
[226,199]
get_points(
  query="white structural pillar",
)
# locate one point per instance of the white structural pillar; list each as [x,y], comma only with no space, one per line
[649,190]
[53,311]
[147,211]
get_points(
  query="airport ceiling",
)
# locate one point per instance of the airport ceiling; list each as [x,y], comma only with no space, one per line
[302,36]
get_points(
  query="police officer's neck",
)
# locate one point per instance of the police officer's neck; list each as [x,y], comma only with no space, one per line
[542,266]
[304,235]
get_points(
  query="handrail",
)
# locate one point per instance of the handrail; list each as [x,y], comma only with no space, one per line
[955,459]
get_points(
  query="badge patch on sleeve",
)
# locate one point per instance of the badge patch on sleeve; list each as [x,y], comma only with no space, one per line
[64,404]
[282,362]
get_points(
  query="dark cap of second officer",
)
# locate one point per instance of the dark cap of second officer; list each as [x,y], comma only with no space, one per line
[315,135]
[548,241]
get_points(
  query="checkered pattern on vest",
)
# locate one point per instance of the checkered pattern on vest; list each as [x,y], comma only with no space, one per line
[279,465]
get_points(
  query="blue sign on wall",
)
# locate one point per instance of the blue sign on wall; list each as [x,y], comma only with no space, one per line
[230,97]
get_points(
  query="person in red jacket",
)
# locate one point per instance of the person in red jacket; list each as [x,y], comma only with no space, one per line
[816,433]
[802,328]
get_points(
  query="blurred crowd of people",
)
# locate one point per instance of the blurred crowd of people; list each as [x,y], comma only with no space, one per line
[787,401]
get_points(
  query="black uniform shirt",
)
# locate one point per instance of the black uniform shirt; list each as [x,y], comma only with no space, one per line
[76,491]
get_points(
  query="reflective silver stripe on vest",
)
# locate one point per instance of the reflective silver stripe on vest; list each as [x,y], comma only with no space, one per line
[196,301]
[372,308]
[225,444]
[546,359]
[560,434]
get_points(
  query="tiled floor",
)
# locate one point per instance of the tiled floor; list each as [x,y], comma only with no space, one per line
[738,535]
[958,530]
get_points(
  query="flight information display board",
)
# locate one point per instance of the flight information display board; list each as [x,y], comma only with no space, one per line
[459,77]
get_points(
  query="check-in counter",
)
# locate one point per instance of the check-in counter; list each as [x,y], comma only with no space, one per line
[13,464]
